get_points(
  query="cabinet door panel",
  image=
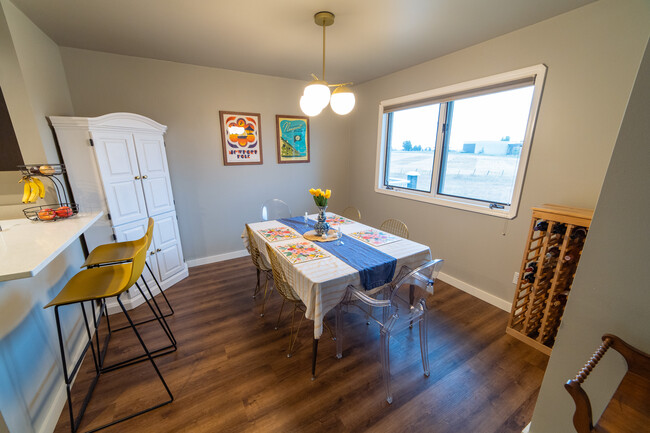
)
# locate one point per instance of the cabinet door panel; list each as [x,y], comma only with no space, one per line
[153,167]
[131,232]
[168,246]
[118,164]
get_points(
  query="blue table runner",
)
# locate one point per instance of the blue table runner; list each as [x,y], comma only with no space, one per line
[375,267]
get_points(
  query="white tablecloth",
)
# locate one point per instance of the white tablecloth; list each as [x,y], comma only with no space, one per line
[321,283]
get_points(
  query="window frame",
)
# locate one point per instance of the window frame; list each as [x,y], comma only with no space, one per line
[487,85]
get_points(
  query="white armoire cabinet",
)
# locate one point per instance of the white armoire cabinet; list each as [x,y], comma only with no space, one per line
[117,163]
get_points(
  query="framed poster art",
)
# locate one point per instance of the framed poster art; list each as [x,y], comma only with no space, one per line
[292,138]
[241,138]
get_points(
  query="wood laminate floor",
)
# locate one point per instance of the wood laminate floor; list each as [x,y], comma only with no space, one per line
[231,374]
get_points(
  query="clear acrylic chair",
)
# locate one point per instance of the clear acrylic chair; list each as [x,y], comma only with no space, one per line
[352,213]
[261,267]
[396,227]
[398,312]
[274,209]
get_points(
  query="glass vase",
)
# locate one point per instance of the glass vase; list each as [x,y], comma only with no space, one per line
[322,226]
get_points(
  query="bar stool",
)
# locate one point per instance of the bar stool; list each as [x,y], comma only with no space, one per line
[119,252]
[97,284]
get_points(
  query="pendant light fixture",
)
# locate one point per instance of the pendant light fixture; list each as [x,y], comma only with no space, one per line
[317,93]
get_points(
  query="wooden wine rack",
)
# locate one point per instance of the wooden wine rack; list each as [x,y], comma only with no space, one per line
[551,257]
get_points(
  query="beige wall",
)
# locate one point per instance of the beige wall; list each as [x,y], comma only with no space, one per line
[32,78]
[592,54]
[610,293]
[213,201]
[33,81]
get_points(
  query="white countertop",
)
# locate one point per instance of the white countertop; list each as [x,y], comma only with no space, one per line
[26,247]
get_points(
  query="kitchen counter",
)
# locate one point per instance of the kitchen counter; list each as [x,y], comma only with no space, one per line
[26,247]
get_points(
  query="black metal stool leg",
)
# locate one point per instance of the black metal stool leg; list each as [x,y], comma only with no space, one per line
[161,316]
[162,292]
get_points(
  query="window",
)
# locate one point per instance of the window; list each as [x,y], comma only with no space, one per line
[464,146]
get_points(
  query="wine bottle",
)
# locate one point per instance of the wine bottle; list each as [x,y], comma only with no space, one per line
[579,233]
[558,229]
[530,277]
[552,252]
[531,267]
[541,226]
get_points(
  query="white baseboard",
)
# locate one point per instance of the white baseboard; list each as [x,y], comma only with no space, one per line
[136,298]
[217,258]
[476,292]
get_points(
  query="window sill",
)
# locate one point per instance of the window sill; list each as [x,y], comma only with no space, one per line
[508,213]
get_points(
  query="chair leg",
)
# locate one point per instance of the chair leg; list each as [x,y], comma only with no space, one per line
[277,324]
[157,352]
[160,317]
[292,337]
[424,345]
[339,332]
[154,300]
[384,352]
[150,357]
[162,292]
[257,286]
[411,300]
[266,295]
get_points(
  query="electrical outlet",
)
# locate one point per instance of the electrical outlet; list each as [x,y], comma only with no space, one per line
[515,278]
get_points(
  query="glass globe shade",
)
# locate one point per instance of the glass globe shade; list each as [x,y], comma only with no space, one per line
[342,101]
[318,92]
[308,107]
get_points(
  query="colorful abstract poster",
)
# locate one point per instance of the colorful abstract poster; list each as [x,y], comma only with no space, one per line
[240,136]
[375,238]
[293,138]
[278,234]
[301,252]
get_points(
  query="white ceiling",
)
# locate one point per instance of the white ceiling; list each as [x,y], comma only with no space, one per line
[369,38]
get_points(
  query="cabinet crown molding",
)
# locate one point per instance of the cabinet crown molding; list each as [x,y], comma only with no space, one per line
[110,122]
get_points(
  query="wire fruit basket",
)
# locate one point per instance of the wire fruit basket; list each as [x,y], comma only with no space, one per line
[64,208]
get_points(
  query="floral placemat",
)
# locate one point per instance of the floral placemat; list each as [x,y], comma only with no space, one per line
[301,252]
[375,238]
[275,234]
[335,219]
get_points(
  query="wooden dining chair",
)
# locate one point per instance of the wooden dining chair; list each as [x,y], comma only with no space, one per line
[352,213]
[261,267]
[288,294]
[396,227]
[628,410]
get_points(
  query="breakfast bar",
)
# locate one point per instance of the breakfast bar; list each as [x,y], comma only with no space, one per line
[26,247]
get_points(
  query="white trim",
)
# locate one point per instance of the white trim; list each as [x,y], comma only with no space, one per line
[476,292]
[526,429]
[433,197]
[113,121]
[217,258]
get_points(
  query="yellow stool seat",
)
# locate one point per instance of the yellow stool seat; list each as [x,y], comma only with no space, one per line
[111,253]
[94,283]
[120,251]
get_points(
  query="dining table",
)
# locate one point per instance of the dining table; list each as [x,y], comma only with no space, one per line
[320,270]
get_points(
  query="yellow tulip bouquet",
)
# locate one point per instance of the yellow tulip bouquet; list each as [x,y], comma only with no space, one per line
[320,197]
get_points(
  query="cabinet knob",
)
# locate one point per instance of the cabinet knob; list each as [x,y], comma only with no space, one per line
[158,250]
[137,177]
[152,253]
[145,176]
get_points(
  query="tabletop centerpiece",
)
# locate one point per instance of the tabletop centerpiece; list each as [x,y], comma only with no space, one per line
[320,198]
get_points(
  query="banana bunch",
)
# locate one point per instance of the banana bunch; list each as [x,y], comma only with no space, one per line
[33,188]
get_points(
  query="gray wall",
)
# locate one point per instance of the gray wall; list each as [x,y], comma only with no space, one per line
[592,54]
[32,78]
[610,293]
[214,201]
